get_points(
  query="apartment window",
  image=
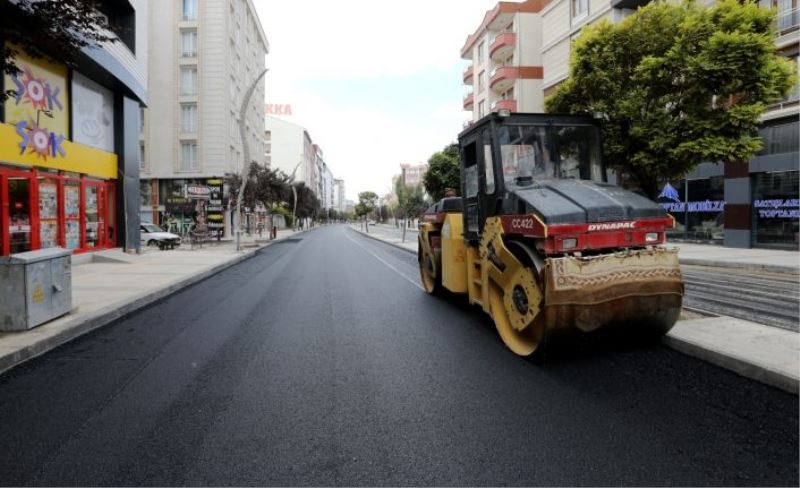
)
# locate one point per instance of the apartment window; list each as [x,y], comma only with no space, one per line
[481,108]
[580,9]
[189,118]
[189,44]
[189,9]
[481,48]
[481,81]
[188,156]
[141,120]
[141,156]
[188,81]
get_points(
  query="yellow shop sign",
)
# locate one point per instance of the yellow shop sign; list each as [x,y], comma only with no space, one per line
[17,146]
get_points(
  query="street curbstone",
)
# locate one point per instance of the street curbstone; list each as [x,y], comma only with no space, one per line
[770,268]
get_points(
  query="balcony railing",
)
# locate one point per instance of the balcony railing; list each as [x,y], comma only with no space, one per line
[502,77]
[467,75]
[469,101]
[793,98]
[502,45]
[510,105]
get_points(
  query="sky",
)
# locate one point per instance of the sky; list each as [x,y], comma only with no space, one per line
[376,83]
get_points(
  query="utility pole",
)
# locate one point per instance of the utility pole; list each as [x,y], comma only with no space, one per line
[245,154]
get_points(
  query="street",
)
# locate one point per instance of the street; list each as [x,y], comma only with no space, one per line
[321,362]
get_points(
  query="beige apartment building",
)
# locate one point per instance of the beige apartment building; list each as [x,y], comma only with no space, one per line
[205,55]
[505,51]
[734,205]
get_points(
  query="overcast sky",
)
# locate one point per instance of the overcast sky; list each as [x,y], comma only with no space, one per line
[375,86]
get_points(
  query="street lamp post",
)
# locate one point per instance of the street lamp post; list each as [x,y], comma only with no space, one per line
[294,193]
[245,154]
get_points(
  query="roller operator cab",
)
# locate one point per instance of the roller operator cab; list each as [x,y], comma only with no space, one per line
[541,242]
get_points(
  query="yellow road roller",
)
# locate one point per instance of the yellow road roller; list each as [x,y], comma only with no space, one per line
[542,242]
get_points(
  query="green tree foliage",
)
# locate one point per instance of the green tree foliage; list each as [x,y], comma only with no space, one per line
[367,200]
[53,29]
[267,186]
[308,205]
[443,172]
[677,85]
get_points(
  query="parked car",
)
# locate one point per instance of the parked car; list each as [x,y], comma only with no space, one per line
[153,236]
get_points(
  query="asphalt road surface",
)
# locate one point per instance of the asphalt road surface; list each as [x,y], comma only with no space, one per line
[321,362]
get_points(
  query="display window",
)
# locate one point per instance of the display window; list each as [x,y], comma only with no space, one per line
[776,209]
[42,210]
[698,207]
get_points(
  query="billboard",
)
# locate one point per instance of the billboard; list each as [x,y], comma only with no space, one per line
[92,113]
[38,106]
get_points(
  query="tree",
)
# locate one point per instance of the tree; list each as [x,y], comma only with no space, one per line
[51,29]
[676,85]
[367,200]
[443,172]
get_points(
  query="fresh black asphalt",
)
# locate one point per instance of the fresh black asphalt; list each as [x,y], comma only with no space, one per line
[321,362]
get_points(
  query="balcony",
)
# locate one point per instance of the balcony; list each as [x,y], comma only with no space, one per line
[503,78]
[502,46]
[469,101]
[510,105]
[467,75]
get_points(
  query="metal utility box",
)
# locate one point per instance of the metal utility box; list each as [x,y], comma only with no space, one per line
[35,287]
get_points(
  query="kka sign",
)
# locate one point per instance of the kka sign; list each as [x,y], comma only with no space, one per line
[278,109]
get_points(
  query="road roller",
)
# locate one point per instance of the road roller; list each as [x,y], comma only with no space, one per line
[542,242]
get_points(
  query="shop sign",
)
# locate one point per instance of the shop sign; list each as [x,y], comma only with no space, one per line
[778,208]
[38,107]
[215,209]
[179,205]
[198,192]
[695,207]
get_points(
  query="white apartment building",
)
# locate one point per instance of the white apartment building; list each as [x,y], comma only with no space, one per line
[289,149]
[205,55]
[339,195]
[327,199]
[506,60]
[412,173]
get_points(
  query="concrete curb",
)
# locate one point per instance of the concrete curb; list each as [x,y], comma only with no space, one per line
[72,329]
[770,268]
[731,362]
[398,246]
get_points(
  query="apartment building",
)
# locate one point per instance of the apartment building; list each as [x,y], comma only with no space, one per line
[412,173]
[206,56]
[339,195]
[289,149]
[69,173]
[506,61]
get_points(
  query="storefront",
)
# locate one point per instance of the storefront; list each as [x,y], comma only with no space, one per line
[747,205]
[184,205]
[57,173]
